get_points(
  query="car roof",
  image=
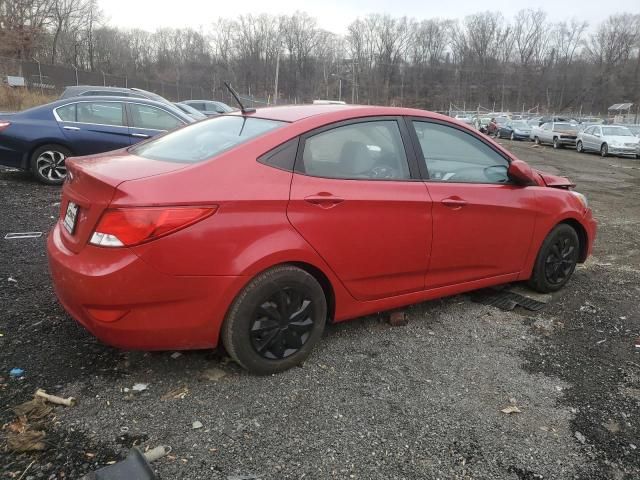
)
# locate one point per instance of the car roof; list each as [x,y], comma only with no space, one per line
[101,87]
[112,98]
[294,113]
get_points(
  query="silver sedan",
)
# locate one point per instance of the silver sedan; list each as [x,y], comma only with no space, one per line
[608,140]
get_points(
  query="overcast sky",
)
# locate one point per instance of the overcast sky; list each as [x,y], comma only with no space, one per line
[335,15]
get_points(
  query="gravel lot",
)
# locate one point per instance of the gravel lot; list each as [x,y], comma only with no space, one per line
[373,401]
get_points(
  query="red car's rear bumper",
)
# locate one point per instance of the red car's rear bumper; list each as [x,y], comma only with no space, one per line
[127,303]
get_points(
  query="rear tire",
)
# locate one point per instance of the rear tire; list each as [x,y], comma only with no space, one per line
[556,259]
[275,321]
[48,164]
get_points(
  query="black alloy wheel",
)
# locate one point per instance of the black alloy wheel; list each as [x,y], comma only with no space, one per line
[561,260]
[556,260]
[282,324]
[276,320]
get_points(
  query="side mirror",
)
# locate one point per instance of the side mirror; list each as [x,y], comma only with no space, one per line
[521,173]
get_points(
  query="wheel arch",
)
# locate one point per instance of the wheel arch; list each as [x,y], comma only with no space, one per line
[582,236]
[331,285]
[41,143]
[303,264]
[324,282]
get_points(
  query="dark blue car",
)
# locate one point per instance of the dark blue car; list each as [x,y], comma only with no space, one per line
[515,130]
[39,139]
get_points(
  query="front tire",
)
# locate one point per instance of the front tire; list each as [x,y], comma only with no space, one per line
[512,137]
[556,259]
[536,140]
[556,143]
[604,150]
[275,321]
[48,164]
[579,148]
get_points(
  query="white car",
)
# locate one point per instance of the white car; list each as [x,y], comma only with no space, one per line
[608,140]
[557,134]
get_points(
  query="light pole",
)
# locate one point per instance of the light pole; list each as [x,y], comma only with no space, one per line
[275,87]
[76,69]
[104,78]
[39,75]
[339,85]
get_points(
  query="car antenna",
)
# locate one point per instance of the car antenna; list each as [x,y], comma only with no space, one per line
[243,109]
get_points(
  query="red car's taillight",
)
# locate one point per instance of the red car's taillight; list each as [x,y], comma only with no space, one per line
[124,227]
[4,125]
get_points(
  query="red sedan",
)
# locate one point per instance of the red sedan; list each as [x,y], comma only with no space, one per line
[256,229]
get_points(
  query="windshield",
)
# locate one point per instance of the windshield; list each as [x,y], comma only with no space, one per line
[520,124]
[191,111]
[223,106]
[617,131]
[205,139]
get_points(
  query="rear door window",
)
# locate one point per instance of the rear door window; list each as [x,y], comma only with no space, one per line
[205,139]
[152,118]
[364,150]
[67,113]
[101,113]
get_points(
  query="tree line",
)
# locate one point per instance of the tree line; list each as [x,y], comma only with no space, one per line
[484,59]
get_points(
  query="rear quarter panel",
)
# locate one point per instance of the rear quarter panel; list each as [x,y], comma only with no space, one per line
[25,134]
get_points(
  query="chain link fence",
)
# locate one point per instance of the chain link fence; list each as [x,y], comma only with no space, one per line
[52,80]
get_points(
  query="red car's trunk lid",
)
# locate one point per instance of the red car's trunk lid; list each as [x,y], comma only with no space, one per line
[91,184]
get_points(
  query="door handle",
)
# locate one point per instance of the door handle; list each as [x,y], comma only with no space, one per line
[66,127]
[140,135]
[454,202]
[323,201]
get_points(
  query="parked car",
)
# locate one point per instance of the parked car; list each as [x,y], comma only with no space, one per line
[41,138]
[608,140]
[584,125]
[635,129]
[555,118]
[254,230]
[209,107]
[189,110]
[558,134]
[99,91]
[482,123]
[495,123]
[515,130]
[592,120]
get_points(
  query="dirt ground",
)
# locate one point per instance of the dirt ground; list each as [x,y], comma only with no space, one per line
[421,401]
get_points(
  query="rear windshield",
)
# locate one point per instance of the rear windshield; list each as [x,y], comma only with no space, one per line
[205,139]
